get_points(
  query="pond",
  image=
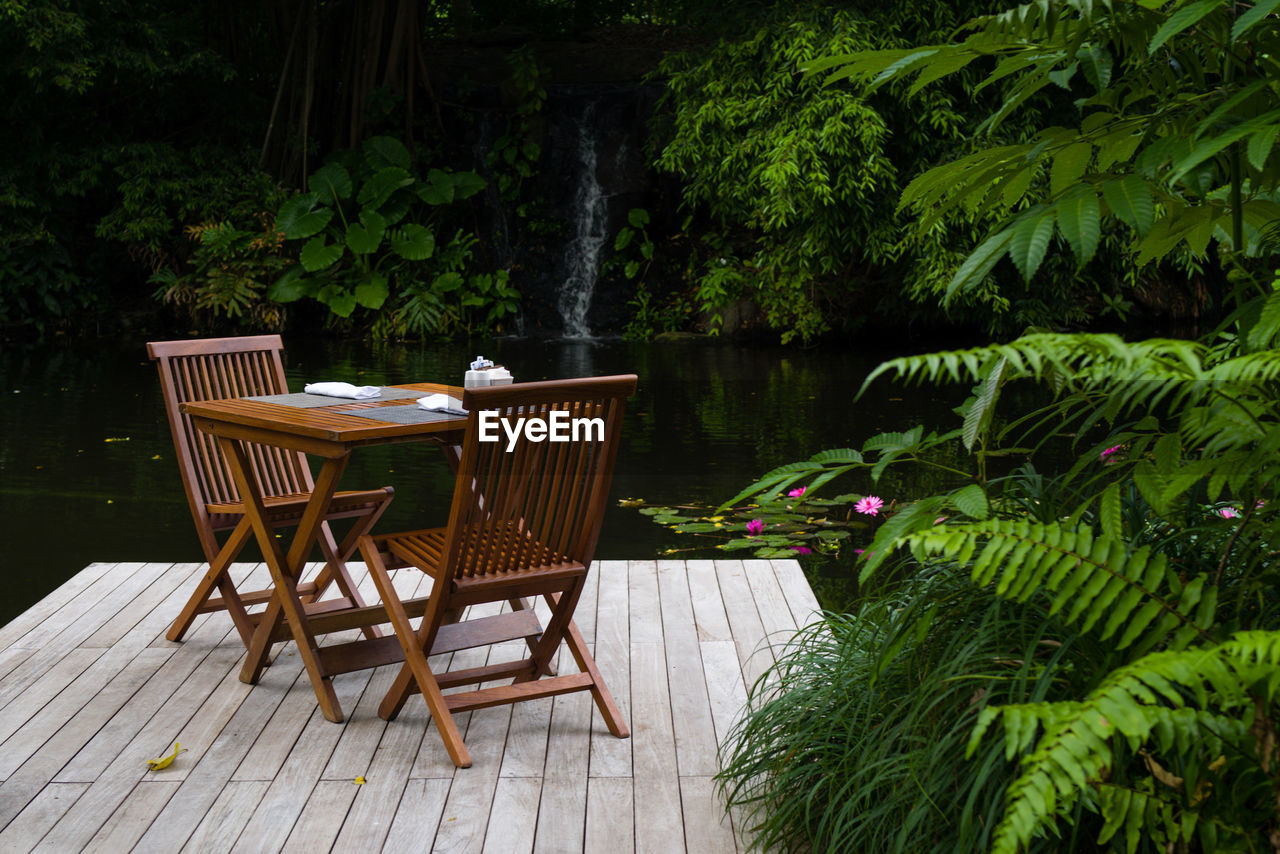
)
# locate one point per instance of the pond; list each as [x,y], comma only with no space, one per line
[87,470]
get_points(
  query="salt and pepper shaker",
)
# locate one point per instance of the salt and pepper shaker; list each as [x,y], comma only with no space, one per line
[477,376]
[483,372]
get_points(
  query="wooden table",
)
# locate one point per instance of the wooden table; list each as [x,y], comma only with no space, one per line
[330,429]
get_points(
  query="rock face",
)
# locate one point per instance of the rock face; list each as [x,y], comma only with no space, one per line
[555,234]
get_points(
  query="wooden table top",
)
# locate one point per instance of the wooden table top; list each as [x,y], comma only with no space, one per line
[328,423]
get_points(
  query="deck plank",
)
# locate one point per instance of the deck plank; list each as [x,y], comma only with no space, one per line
[695,734]
[610,814]
[40,816]
[657,784]
[611,757]
[221,825]
[417,816]
[89,689]
[26,624]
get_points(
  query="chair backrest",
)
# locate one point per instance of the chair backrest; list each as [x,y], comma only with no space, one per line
[211,369]
[522,504]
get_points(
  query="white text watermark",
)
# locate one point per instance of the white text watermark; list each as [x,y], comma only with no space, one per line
[559,426]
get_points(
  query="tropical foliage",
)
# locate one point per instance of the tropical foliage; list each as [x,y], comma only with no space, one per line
[1147,698]
[1176,114]
[365,229]
[798,181]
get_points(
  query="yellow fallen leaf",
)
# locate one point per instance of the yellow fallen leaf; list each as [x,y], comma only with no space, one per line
[360,781]
[166,761]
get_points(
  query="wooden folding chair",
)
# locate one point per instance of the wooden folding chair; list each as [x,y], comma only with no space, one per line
[215,368]
[524,522]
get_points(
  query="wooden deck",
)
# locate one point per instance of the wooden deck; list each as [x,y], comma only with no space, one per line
[90,689]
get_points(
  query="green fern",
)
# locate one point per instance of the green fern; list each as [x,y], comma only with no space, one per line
[1173,700]
[1090,577]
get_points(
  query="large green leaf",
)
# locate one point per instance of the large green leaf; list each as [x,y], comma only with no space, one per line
[1031,236]
[467,184]
[447,282]
[1129,198]
[298,217]
[340,300]
[331,183]
[438,189]
[413,242]
[384,151]
[290,287]
[364,237]
[317,255]
[372,292]
[381,185]
[1080,220]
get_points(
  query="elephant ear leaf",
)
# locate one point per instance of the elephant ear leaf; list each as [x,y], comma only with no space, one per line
[372,292]
[381,185]
[364,237]
[340,300]
[439,188]
[331,183]
[298,218]
[413,242]
[467,184]
[384,151]
[317,255]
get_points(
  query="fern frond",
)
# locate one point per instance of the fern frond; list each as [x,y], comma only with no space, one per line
[1171,700]
[1093,579]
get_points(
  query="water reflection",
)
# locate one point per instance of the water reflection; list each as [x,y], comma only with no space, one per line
[87,470]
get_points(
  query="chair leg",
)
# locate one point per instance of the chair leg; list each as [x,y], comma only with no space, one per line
[599,691]
[335,568]
[416,663]
[216,579]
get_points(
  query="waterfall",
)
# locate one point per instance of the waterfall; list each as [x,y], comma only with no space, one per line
[582,257]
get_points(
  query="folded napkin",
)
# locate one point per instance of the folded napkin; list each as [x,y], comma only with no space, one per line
[355,392]
[442,403]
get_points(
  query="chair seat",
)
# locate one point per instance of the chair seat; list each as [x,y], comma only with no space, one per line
[283,509]
[425,549]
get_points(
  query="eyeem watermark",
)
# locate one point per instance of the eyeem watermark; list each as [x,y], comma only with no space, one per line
[557,427]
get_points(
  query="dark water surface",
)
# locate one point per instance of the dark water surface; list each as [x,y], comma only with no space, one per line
[87,469]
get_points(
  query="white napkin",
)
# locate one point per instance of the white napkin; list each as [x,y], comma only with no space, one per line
[442,403]
[360,392]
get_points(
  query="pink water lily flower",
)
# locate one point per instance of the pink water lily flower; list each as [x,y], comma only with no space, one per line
[1109,451]
[796,493]
[869,505]
[804,550]
[755,526]
[1228,513]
